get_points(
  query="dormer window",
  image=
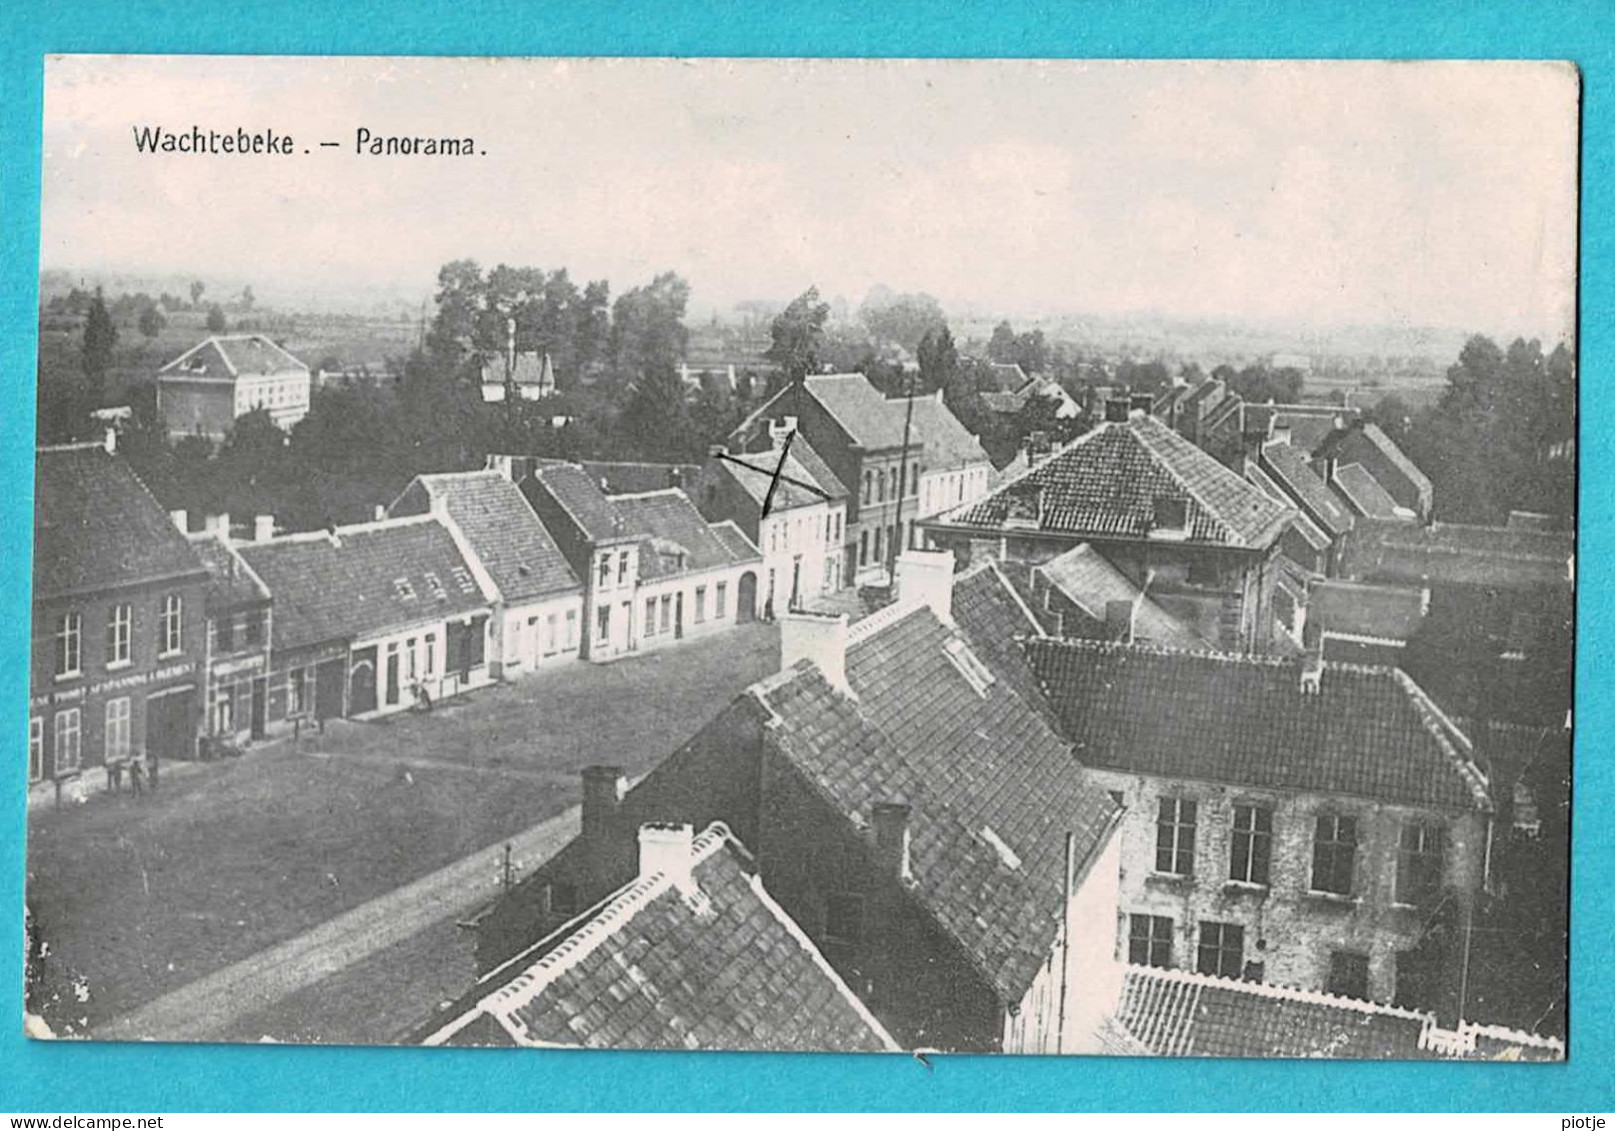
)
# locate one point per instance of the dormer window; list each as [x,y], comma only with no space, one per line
[435,585]
[969,665]
[1025,507]
[1171,517]
[462,578]
[403,590]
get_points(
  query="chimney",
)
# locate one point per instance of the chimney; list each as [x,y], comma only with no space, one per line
[1312,675]
[109,441]
[892,839]
[381,511]
[603,788]
[1116,409]
[263,527]
[510,344]
[817,637]
[716,450]
[779,429]
[1141,402]
[218,524]
[927,576]
[670,850]
[181,519]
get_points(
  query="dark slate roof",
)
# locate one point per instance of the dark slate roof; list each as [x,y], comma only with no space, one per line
[1288,465]
[652,967]
[502,531]
[97,527]
[231,582]
[1176,1013]
[1309,424]
[668,522]
[860,408]
[948,444]
[1366,732]
[1460,555]
[993,789]
[827,480]
[580,496]
[1090,582]
[1106,483]
[1365,494]
[1314,534]
[636,478]
[345,587]
[1376,435]
[1383,612]
[228,356]
[735,540]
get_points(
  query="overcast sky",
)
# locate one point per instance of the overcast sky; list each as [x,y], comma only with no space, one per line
[1427,194]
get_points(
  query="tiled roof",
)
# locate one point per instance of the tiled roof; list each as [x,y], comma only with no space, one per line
[1090,582]
[502,530]
[228,356]
[1289,467]
[949,445]
[363,580]
[1207,393]
[580,496]
[1365,494]
[231,582]
[860,408]
[97,527]
[1376,435]
[827,480]
[1383,612]
[1177,1013]
[669,522]
[1309,530]
[992,789]
[636,478]
[1455,554]
[1311,424]
[754,472]
[1105,485]
[1366,732]
[735,540]
[721,966]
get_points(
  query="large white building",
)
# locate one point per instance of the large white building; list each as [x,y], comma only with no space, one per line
[204,390]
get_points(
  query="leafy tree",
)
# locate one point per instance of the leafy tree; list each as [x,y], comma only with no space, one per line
[647,328]
[152,322]
[902,319]
[657,418]
[798,334]
[197,289]
[100,336]
[247,298]
[1260,384]
[938,358]
[215,319]
[1001,347]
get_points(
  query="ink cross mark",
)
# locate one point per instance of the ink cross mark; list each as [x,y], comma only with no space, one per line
[776,475]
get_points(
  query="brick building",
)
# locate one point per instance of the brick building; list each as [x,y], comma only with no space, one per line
[691,953]
[1322,826]
[909,807]
[239,620]
[119,630]
[205,389]
[1200,540]
[537,599]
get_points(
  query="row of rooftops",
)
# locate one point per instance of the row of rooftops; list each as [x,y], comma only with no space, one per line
[888,719]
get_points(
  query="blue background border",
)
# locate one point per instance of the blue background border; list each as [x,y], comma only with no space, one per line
[76,1077]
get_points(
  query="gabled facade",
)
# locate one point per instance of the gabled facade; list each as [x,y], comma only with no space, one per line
[239,625]
[537,600]
[1199,539]
[1316,825]
[654,571]
[205,389]
[909,807]
[118,661]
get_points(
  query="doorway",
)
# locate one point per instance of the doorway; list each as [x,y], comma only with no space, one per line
[362,680]
[259,712]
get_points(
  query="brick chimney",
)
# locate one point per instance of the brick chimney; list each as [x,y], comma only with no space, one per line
[180,519]
[670,850]
[219,525]
[603,789]
[1140,402]
[817,637]
[892,839]
[263,527]
[779,429]
[927,575]
[1116,410]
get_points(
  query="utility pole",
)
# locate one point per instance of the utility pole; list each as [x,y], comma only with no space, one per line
[902,479]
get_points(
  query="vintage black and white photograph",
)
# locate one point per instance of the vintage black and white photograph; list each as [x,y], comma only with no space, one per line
[905,556]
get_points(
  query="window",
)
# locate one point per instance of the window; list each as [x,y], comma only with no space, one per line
[36,749]
[252,630]
[119,623]
[402,589]
[411,649]
[1174,837]
[1171,513]
[1348,974]
[878,531]
[1419,863]
[880,487]
[224,709]
[429,664]
[66,744]
[667,612]
[650,616]
[602,624]
[863,547]
[117,730]
[844,919]
[434,583]
[868,485]
[605,570]
[69,628]
[1334,854]
[462,578]
[1149,940]
[552,634]
[571,628]
[1252,845]
[622,568]
[563,899]
[297,692]
[1222,949]
[721,601]
[700,603]
[169,626]
[224,635]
